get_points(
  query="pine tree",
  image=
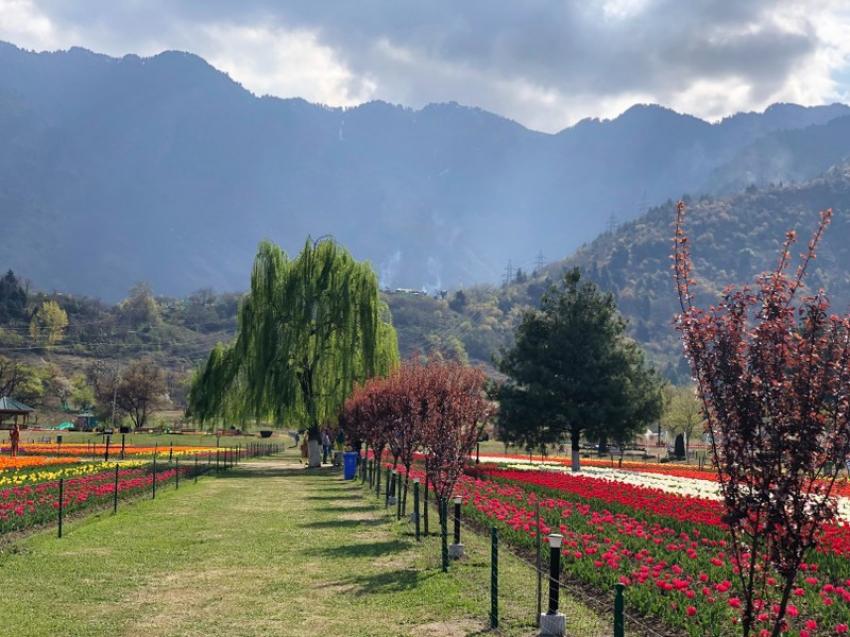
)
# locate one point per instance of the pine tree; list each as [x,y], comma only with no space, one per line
[573,371]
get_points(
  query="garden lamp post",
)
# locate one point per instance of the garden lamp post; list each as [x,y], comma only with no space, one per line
[552,622]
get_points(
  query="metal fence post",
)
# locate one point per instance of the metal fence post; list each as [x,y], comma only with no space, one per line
[153,496]
[416,506]
[115,491]
[444,532]
[425,506]
[494,578]
[619,622]
[177,473]
[539,566]
[61,502]
[196,468]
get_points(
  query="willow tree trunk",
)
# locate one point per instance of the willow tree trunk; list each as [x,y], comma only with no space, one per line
[314,448]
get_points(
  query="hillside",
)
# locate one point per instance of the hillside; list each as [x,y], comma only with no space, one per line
[166,170]
[733,239]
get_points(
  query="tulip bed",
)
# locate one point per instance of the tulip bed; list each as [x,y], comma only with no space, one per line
[72,469]
[23,507]
[669,550]
[27,462]
[77,449]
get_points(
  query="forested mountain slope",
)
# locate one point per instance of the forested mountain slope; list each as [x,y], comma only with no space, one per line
[116,170]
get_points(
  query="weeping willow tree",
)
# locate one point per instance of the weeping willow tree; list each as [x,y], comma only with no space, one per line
[308,330]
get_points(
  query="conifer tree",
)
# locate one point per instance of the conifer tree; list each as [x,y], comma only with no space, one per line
[574,368]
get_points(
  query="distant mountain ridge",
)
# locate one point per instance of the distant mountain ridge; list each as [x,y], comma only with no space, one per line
[114,170]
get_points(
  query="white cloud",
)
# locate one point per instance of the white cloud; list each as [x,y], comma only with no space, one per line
[546,64]
[22,23]
[275,61]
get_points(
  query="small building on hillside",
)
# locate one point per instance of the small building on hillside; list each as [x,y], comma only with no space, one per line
[13,412]
[85,421]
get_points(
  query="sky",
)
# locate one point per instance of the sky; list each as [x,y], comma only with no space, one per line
[544,63]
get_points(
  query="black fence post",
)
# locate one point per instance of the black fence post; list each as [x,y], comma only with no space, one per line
[444,533]
[61,502]
[115,491]
[619,621]
[494,578]
[170,452]
[123,444]
[458,500]
[425,507]
[177,473]
[153,488]
[106,451]
[539,566]
[387,491]
[398,497]
[196,468]
[416,507]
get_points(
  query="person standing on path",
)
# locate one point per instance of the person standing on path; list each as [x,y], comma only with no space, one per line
[15,439]
[326,446]
[304,450]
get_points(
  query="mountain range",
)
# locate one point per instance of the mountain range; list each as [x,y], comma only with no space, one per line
[115,170]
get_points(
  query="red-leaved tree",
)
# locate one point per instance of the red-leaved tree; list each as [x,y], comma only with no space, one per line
[772,368]
[457,409]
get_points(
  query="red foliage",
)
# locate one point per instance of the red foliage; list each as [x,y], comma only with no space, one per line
[773,372]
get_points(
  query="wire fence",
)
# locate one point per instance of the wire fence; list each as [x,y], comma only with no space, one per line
[544,565]
[81,496]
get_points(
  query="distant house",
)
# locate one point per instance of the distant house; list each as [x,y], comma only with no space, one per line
[13,412]
[85,421]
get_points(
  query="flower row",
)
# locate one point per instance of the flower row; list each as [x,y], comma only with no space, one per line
[670,551]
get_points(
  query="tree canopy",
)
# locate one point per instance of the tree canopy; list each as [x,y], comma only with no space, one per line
[573,370]
[309,329]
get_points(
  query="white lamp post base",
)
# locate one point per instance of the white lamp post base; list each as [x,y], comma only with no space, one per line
[552,625]
[455,551]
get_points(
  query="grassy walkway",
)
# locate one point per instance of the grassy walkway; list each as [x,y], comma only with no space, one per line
[268,549]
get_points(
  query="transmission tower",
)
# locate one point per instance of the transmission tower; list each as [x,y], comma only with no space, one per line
[509,272]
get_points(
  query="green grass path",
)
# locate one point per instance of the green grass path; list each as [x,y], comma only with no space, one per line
[268,549]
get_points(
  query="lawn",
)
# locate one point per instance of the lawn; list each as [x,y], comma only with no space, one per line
[267,549]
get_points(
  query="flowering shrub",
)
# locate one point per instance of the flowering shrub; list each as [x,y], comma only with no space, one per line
[772,369]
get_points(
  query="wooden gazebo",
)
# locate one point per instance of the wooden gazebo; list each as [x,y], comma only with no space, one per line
[14,411]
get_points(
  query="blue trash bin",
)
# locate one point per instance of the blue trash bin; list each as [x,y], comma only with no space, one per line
[349,465]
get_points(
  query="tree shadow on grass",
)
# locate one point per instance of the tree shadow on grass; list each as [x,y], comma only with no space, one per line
[339,524]
[333,509]
[389,582]
[371,549]
[335,498]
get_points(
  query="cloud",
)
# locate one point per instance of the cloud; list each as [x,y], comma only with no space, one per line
[546,63]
